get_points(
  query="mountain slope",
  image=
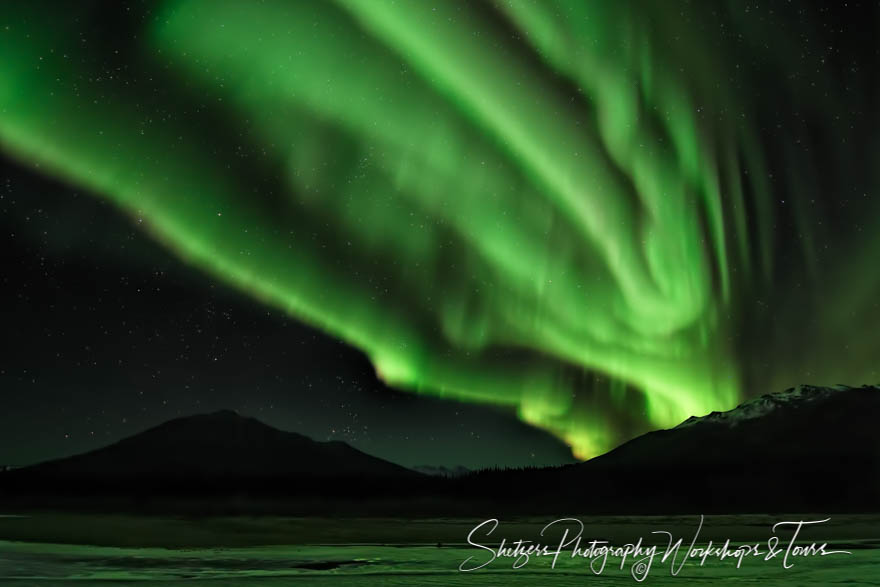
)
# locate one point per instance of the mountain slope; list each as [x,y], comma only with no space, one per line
[807,447]
[222,445]
[805,424]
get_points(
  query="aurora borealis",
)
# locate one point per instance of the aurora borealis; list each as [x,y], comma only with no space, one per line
[607,216]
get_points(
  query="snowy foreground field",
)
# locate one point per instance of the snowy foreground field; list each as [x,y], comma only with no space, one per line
[38,549]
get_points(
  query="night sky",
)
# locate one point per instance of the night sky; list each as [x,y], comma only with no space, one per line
[107,334]
[488,233]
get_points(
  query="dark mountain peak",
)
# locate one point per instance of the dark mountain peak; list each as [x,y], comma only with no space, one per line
[224,413]
[218,430]
[792,398]
[223,444]
[808,447]
[806,423]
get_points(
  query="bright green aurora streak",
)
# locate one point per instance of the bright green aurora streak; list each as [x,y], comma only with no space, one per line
[545,205]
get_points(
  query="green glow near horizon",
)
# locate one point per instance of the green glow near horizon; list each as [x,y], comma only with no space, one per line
[487,218]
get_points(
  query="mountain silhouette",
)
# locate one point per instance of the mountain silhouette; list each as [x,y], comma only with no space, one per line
[805,427]
[221,444]
[806,447]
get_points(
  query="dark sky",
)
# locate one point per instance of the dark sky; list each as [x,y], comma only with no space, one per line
[107,334]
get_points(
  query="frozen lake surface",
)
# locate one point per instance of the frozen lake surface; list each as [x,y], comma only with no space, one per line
[352,565]
[57,548]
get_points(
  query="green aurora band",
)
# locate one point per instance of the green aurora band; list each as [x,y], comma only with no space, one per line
[561,207]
